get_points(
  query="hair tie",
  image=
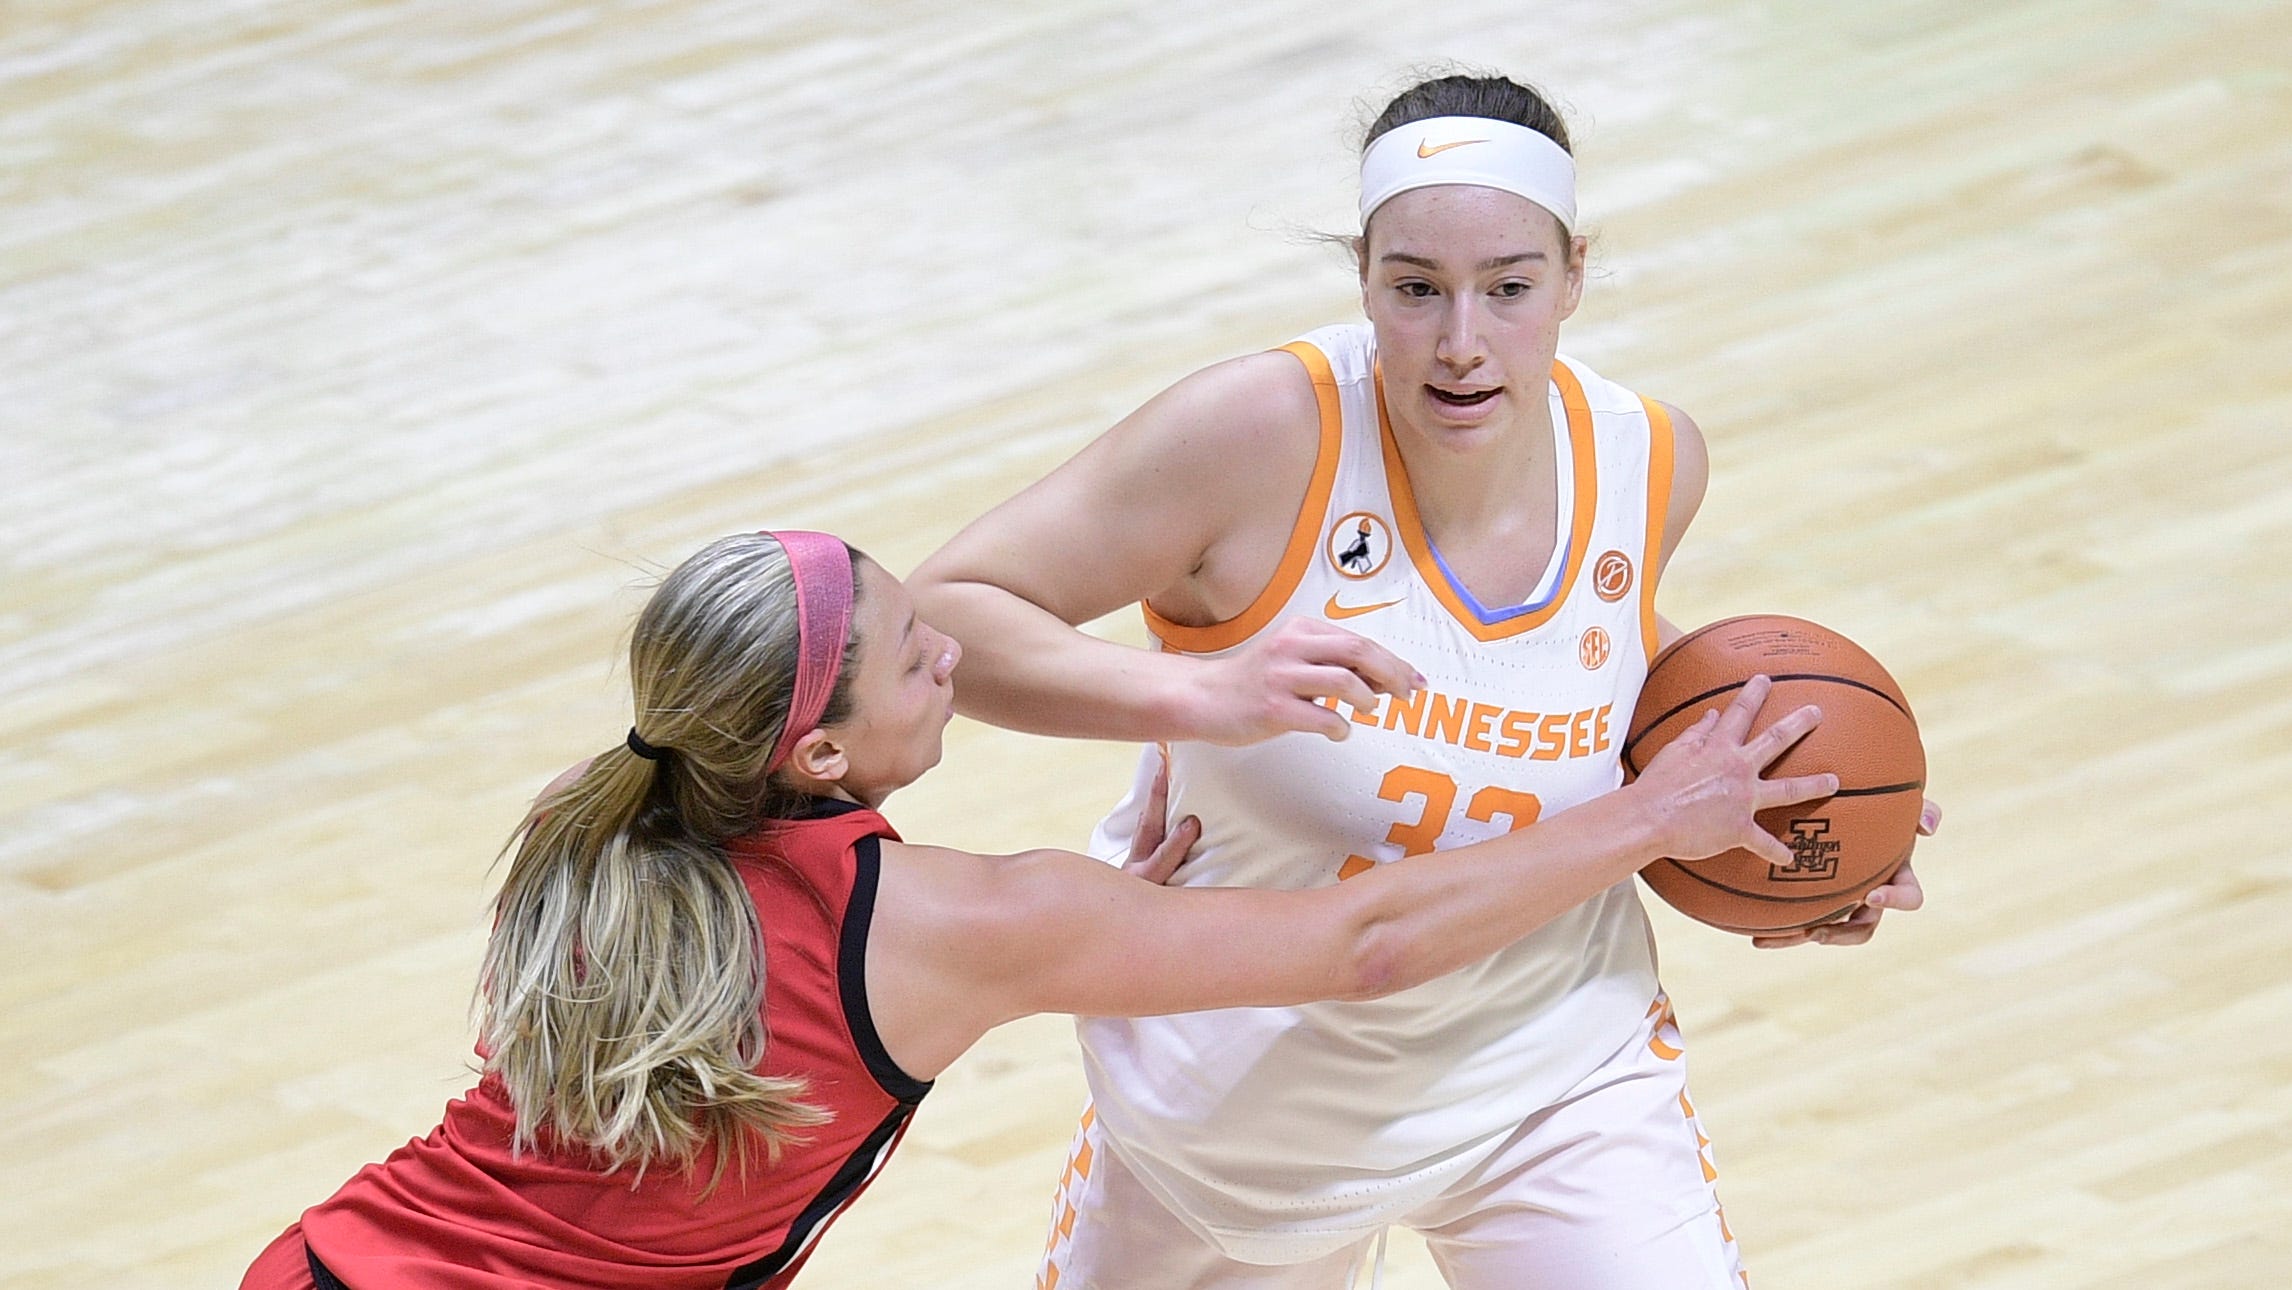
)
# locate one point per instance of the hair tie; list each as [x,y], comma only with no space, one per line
[821,565]
[642,749]
[1472,150]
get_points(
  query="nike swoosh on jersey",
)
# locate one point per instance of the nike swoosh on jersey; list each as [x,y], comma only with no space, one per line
[1427,150]
[1337,611]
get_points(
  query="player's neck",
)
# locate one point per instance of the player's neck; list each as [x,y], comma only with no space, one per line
[1485,483]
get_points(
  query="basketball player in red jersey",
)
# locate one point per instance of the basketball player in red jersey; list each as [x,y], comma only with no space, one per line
[718,983]
[1443,481]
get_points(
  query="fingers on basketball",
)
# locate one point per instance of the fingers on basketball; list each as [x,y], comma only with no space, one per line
[1779,738]
[1833,840]
[1735,722]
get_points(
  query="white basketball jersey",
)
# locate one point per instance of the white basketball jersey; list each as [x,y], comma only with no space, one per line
[1283,1133]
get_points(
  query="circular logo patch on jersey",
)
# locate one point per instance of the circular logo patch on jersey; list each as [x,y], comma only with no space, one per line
[1593,648]
[1359,544]
[1611,575]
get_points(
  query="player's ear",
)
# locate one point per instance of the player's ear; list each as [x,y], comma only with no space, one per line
[819,756]
[1361,265]
[1578,248]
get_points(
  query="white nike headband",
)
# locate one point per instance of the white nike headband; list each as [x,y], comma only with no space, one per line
[1472,150]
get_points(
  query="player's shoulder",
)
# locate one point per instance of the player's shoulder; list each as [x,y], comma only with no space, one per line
[1268,392]
[1234,428]
[1687,447]
[1341,353]
[1604,395]
[957,902]
[1600,393]
[1282,384]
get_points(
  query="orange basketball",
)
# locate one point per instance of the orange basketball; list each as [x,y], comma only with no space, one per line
[1845,844]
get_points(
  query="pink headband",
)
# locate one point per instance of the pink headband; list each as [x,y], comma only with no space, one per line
[822,566]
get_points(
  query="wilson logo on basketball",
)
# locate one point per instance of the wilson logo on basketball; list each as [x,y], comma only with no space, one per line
[1593,648]
[1358,545]
[1813,856]
[1611,576]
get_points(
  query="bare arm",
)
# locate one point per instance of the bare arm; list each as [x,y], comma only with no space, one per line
[1690,477]
[968,942]
[1187,502]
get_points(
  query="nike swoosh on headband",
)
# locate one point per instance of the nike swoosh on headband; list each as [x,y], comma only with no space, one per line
[1432,149]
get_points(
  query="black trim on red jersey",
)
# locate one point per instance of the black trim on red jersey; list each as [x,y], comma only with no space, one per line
[825,808]
[320,1275]
[857,1169]
[851,976]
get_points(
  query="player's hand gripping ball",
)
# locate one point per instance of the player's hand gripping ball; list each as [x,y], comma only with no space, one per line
[1843,845]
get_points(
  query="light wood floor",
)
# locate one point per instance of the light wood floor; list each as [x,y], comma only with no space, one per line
[358,363]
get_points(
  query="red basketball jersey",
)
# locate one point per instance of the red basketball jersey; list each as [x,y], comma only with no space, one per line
[458,1210]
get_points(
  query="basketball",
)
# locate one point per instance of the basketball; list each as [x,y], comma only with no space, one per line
[1845,844]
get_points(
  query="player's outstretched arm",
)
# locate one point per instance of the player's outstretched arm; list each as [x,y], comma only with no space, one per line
[1183,498]
[964,942]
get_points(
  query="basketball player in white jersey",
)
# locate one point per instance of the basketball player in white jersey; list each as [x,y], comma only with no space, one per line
[1489,522]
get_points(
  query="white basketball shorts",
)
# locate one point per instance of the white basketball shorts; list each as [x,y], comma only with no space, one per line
[1611,1188]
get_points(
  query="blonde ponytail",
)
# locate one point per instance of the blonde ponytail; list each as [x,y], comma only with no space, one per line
[621,1000]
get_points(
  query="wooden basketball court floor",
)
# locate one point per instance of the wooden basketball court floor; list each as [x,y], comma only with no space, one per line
[359,362]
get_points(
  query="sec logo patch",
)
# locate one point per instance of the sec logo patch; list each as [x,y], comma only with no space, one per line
[1593,648]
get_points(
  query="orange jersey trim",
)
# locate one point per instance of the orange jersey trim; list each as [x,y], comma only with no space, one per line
[1658,512]
[1304,535]
[1585,451]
